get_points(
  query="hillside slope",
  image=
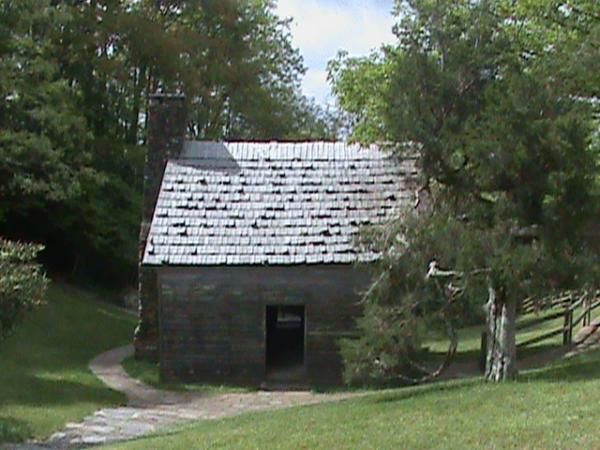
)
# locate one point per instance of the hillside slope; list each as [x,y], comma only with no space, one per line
[44,376]
[550,408]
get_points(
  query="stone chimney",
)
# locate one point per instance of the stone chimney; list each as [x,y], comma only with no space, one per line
[166,134]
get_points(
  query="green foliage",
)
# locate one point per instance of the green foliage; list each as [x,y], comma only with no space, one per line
[359,84]
[75,81]
[233,60]
[22,283]
[42,136]
[507,141]
[389,339]
[503,118]
[402,308]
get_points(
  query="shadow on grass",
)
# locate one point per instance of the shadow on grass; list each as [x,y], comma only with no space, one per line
[536,350]
[12,430]
[48,392]
[579,368]
[463,356]
[432,388]
[147,373]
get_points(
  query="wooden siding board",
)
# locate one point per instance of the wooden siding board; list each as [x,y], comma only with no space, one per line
[212,322]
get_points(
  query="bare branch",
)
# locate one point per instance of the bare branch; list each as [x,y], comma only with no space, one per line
[435,272]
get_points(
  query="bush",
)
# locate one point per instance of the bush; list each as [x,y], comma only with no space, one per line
[389,338]
[22,283]
[401,306]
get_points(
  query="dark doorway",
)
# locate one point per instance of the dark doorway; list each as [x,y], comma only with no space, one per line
[285,342]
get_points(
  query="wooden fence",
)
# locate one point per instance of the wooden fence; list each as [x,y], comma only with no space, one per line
[574,307]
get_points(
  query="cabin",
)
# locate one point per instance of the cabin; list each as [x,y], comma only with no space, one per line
[248,269]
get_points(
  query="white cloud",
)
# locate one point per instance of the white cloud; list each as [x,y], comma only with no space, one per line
[322,27]
[315,85]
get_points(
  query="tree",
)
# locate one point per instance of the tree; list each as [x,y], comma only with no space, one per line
[42,135]
[359,84]
[22,283]
[75,78]
[485,91]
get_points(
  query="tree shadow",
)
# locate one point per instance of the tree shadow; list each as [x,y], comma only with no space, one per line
[47,391]
[432,388]
[528,352]
[578,368]
[470,355]
[13,430]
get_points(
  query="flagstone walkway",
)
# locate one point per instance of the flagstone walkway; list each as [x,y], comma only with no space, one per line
[149,410]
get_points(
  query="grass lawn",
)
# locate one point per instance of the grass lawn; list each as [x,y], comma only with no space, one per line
[148,373]
[44,378]
[469,338]
[551,408]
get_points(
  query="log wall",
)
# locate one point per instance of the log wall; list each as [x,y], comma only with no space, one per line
[212,319]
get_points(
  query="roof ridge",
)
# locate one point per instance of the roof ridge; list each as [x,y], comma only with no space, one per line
[275,150]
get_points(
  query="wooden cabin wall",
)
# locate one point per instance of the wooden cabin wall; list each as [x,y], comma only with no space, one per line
[212,319]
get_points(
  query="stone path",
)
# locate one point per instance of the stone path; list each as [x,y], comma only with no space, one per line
[149,409]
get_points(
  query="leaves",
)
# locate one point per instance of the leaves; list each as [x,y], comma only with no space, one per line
[22,283]
[359,85]
[42,137]
[505,123]
[75,79]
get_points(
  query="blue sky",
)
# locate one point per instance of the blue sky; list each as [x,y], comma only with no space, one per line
[322,27]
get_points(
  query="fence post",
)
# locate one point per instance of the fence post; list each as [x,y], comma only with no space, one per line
[483,352]
[566,327]
[570,326]
[588,310]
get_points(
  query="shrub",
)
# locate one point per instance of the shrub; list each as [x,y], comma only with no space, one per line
[22,283]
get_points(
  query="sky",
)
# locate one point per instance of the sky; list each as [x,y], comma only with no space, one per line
[322,27]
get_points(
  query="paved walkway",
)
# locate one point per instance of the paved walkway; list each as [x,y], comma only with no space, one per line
[149,410]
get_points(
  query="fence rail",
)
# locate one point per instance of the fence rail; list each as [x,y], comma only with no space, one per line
[566,305]
[532,304]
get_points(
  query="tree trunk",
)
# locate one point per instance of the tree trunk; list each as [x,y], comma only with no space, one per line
[139,83]
[501,330]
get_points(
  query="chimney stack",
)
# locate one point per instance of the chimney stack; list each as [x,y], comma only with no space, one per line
[166,134]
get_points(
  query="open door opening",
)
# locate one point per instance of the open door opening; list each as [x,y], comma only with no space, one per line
[285,342]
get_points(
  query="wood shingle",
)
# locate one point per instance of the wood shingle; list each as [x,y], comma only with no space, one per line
[274,203]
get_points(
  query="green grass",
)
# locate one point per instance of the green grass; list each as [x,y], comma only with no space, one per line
[148,373]
[45,382]
[44,378]
[469,338]
[551,408]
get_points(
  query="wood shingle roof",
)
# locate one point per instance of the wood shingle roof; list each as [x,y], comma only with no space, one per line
[274,203]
